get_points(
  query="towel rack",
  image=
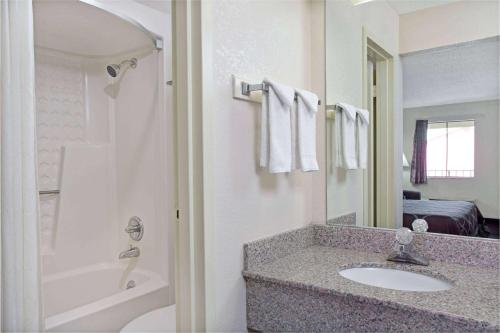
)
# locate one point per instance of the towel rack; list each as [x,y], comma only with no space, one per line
[330,111]
[48,192]
[246,89]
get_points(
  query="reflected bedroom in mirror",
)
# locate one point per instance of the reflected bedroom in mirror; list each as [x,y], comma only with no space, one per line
[413,116]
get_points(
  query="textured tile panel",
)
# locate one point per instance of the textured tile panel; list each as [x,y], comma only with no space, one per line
[60,111]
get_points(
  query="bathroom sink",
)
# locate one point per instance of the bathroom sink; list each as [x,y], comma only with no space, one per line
[394,279]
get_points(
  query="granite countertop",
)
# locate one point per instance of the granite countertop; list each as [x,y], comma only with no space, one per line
[473,297]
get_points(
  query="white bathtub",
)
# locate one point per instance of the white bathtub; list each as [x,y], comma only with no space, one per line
[89,298]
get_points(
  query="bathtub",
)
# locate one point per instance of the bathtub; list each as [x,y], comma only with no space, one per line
[90,298]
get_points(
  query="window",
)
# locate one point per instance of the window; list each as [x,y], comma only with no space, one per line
[450,149]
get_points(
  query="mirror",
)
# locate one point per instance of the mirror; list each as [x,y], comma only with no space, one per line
[412,115]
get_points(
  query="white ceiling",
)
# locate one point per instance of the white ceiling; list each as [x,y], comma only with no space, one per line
[408,6]
[78,28]
[160,5]
[452,74]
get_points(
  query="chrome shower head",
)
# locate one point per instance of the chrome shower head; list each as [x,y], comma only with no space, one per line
[114,69]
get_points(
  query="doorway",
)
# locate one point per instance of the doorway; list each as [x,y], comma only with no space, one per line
[378,83]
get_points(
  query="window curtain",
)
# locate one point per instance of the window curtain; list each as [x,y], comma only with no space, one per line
[419,160]
[20,261]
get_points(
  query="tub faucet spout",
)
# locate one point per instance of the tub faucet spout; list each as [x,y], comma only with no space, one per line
[132,252]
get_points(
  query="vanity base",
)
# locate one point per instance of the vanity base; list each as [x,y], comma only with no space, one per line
[274,307]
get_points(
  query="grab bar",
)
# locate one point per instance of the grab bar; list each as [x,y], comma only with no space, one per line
[48,192]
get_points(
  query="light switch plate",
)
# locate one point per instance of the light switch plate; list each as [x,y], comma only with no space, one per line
[255,96]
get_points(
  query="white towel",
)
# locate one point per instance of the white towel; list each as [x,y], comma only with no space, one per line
[276,131]
[362,122]
[307,106]
[345,134]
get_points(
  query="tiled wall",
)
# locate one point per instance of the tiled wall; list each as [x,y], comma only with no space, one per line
[60,104]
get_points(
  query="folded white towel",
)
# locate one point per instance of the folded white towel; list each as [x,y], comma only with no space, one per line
[362,122]
[345,134]
[276,131]
[307,106]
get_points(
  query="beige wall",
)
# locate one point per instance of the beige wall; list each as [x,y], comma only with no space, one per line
[253,40]
[449,24]
[483,187]
[344,61]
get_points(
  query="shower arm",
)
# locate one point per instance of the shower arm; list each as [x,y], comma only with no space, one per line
[131,62]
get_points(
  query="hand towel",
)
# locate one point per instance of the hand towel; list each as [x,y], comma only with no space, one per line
[362,122]
[276,130]
[345,134]
[307,106]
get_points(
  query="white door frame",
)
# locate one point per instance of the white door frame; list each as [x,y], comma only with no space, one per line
[190,252]
[382,195]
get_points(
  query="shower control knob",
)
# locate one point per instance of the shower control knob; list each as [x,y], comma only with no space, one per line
[135,228]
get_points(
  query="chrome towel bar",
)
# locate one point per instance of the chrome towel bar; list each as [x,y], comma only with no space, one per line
[247,88]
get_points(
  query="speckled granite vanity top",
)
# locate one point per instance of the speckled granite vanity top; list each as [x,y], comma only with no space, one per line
[316,257]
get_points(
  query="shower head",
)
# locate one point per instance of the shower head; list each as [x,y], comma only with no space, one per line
[114,69]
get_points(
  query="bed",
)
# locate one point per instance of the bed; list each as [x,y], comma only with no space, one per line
[444,216]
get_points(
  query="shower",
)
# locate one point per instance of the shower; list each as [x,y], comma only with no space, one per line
[89,139]
[114,69]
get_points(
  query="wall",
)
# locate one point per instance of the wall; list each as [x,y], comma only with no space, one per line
[344,61]
[483,187]
[253,40]
[448,24]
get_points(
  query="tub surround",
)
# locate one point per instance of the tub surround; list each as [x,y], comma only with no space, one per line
[293,283]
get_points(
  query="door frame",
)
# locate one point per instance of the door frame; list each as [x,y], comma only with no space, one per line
[188,106]
[380,197]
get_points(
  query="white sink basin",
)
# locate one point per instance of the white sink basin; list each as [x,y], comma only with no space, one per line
[394,279]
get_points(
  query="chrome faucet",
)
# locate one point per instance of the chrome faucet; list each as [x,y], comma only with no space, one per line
[132,252]
[403,250]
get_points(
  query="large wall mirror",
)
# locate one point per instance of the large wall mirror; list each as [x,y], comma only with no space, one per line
[412,94]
